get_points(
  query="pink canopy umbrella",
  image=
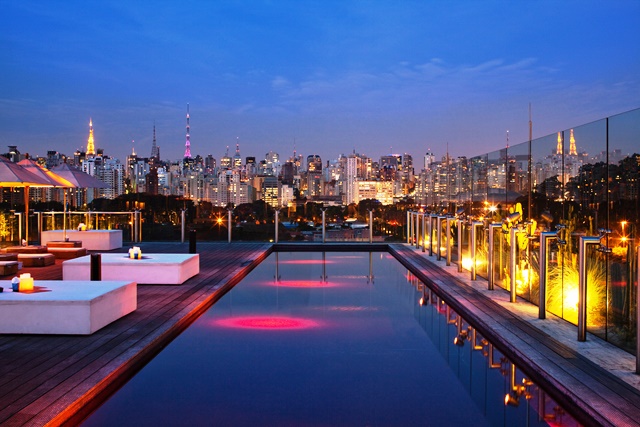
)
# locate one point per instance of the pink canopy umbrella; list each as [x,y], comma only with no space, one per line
[79,179]
[44,173]
[14,175]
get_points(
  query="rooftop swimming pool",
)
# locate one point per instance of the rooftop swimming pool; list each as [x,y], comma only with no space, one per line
[330,339]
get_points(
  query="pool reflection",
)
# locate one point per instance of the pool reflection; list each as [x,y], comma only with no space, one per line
[346,350]
[498,388]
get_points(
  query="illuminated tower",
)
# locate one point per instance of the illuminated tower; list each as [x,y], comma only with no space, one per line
[572,145]
[237,160]
[155,151]
[559,147]
[187,145]
[91,149]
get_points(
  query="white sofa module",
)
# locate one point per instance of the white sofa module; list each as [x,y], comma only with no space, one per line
[65,307]
[152,269]
[92,240]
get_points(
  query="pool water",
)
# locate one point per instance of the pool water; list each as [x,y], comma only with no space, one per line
[315,339]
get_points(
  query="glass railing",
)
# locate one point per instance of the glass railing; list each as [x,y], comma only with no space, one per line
[582,183]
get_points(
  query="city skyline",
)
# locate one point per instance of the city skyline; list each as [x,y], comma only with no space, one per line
[320,78]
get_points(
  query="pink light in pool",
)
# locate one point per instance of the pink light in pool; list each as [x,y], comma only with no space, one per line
[267,322]
[301,284]
[306,262]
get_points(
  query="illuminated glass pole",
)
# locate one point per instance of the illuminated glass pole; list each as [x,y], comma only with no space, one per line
[276,221]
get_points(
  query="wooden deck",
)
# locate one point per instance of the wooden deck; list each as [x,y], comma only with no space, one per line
[58,380]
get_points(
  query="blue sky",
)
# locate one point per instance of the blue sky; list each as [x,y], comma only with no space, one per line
[328,76]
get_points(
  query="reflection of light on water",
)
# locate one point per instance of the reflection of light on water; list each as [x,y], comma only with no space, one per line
[301,284]
[348,308]
[306,262]
[266,322]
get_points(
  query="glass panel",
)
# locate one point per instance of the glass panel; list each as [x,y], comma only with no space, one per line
[624,161]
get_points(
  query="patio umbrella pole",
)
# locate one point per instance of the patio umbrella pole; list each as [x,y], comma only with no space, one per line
[26,215]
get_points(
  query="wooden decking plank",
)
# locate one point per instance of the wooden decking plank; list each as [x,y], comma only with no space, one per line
[162,311]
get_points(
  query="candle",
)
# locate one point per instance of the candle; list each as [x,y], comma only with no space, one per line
[26,282]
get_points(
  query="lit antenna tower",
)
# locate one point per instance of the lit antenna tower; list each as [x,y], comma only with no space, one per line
[187,145]
[91,150]
[155,152]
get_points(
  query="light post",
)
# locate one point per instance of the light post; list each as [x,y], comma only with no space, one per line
[474,244]
[586,241]
[493,227]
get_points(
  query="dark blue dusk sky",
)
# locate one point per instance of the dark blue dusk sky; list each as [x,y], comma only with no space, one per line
[330,76]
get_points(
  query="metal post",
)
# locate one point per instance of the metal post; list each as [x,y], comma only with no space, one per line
[513,262]
[408,227]
[492,255]
[182,225]
[418,232]
[136,225]
[324,230]
[459,223]
[449,219]
[582,284]
[192,241]
[422,232]
[229,224]
[277,222]
[96,267]
[545,236]
[474,238]
[19,215]
[39,226]
[638,316]
[439,241]
[432,219]
[370,226]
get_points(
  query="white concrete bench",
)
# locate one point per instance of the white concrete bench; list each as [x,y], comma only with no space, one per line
[92,240]
[65,307]
[153,269]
